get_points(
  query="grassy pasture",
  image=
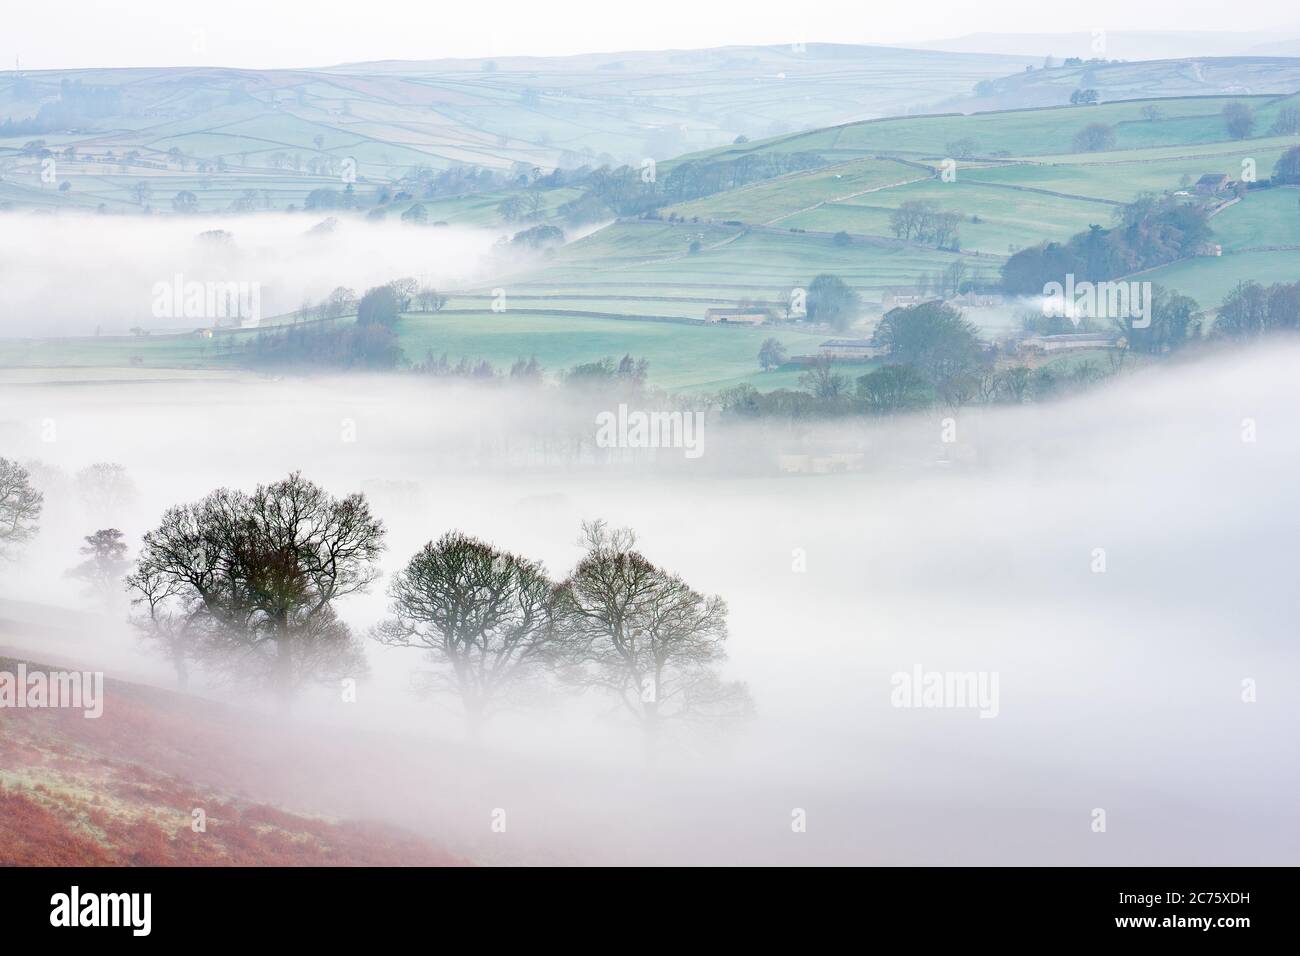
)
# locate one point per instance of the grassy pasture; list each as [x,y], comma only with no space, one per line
[693,357]
[646,269]
[754,263]
[1266,217]
[1038,132]
[540,111]
[1122,181]
[775,199]
[1208,280]
[1007,219]
[680,356]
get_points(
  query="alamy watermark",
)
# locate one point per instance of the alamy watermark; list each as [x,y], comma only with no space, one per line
[1077,301]
[74,690]
[75,908]
[639,429]
[209,301]
[946,689]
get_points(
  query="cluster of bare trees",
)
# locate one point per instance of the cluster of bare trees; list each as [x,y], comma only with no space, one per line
[919,220]
[248,583]
[408,293]
[20,505]
[104,488]
[499,627]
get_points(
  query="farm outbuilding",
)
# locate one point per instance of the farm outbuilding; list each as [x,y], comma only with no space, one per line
[1074,340]
[1212,183]
[851,349]
[735,316]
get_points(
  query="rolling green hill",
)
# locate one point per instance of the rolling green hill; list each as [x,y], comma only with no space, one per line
[1196,76]
[1021,133]
[281,133]
[1024,182]
[762,240]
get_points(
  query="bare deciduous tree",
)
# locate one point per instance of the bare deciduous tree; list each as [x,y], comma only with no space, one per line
[483,614]
[172,618]
[20,504]
[645,635]
[266,569]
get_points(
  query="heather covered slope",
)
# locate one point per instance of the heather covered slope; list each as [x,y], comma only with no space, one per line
[122,790]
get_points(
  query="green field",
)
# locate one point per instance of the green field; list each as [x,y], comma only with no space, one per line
[1268,217]
[994,220]
[757,263]
[1208,280]
[1040,132]
[681,356]
[268,126]
[775,200]
[1118,177]
[607,292]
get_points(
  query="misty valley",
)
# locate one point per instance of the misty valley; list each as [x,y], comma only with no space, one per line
[778,454]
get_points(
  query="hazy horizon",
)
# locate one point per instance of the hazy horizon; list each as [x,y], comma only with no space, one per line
[286,36]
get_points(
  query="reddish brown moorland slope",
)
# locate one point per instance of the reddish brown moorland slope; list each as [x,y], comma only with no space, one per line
[123,791]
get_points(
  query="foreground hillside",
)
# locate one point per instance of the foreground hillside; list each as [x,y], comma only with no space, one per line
[121,790]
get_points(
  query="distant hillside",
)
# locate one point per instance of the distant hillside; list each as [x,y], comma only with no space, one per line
[1127,44]
[538,111]
[1022,178]
[1187,121]
[1204,76]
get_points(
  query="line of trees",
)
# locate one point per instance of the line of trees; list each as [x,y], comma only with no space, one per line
[369,347]
[936,356]
[1151,231]
[246,584]
[630,191]
[920,220]
[370,343]
[1251,310]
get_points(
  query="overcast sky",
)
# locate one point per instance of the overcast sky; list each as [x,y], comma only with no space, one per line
[296,33]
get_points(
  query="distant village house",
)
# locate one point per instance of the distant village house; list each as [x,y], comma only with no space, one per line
[1213,183]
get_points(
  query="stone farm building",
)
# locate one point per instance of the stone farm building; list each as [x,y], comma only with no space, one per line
[897,297]
[735,316]
[1070,341]
[977,300]
[1212,183]
[852,349]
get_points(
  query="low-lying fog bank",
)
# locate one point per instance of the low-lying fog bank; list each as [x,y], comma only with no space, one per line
[1121,562]
[284,259]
